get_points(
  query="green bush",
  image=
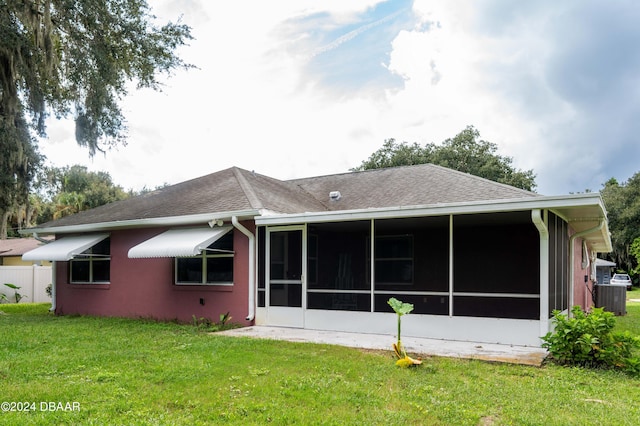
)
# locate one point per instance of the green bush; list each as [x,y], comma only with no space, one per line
[588,340]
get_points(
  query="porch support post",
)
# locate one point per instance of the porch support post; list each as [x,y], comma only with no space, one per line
[541,224]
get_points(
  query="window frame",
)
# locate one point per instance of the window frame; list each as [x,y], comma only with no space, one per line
[89,257]
[381,258]
[211,252]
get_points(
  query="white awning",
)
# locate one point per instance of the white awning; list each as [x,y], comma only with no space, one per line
[65,248]
[178,242]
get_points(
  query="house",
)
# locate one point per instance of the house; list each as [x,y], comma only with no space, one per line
[603,271]
[32,277]
[12,249]
[480,261]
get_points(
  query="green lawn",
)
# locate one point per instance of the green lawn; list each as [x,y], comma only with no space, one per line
[634,293]
[122,371]
[631,321]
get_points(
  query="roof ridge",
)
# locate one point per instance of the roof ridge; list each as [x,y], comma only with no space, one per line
[247,188]
[355,172]
[405,166]
[447,169]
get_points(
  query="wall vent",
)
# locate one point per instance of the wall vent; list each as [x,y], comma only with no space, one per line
[335,195]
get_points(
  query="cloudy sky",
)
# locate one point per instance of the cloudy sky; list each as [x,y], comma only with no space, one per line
[297,88]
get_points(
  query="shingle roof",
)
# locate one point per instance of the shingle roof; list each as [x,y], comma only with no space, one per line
[423,184]
[235,189]
[17,246]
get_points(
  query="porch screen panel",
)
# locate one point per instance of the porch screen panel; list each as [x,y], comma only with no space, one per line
[338,266]
[496,253]
[558,263]
[411,263]
[339,301]
[553,235]
[496,266]
[432,304]
[421,244]
[261,266]
[497,307]
[285,268]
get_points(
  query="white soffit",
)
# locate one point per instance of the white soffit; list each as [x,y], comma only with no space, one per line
[178,242]
[65,248]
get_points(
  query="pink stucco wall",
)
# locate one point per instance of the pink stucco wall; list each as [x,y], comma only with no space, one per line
[581,290]
[144,288]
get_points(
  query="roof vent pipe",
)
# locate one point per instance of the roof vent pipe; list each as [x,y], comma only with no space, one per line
[335,195]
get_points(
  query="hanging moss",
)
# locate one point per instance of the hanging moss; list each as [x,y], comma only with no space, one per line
[73,59]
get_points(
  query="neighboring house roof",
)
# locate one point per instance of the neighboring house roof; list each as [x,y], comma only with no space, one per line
[241,193]
[17,246]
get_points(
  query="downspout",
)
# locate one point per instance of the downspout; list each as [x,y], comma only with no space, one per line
[539,222]
[592,277]
[572,257]
[42,240]
[53,275]
[54,272]
[252,263]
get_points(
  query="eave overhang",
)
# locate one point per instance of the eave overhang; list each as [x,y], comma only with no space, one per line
[186,220]
[581,211]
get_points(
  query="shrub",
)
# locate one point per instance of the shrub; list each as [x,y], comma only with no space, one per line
[208,325]
[587,340]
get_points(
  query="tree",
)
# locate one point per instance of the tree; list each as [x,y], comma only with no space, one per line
[97,188]
[73,58]
[19,162]
[623,211]
[74,189]
[393,154]
[62,191]
[465,152]
[634,249]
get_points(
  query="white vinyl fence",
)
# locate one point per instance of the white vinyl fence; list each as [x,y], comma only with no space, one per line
[33,281]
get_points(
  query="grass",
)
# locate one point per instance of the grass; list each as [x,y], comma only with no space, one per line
[634,293]
[631,321]
[124,371]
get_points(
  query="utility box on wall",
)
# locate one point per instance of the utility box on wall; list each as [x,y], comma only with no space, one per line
[612,297]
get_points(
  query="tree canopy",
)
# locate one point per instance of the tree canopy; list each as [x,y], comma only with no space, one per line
[465,152]
[77,189]
[623,211]
[73,58]
[62,191]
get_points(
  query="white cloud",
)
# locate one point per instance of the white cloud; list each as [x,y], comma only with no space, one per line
[256,102]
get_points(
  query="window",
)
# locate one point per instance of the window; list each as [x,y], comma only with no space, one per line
[214,266]
[93,265]
[394,260]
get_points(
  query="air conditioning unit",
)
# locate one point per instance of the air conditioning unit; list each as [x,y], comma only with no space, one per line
[612,297]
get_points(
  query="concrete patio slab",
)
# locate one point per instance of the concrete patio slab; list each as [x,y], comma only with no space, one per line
[413,345]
